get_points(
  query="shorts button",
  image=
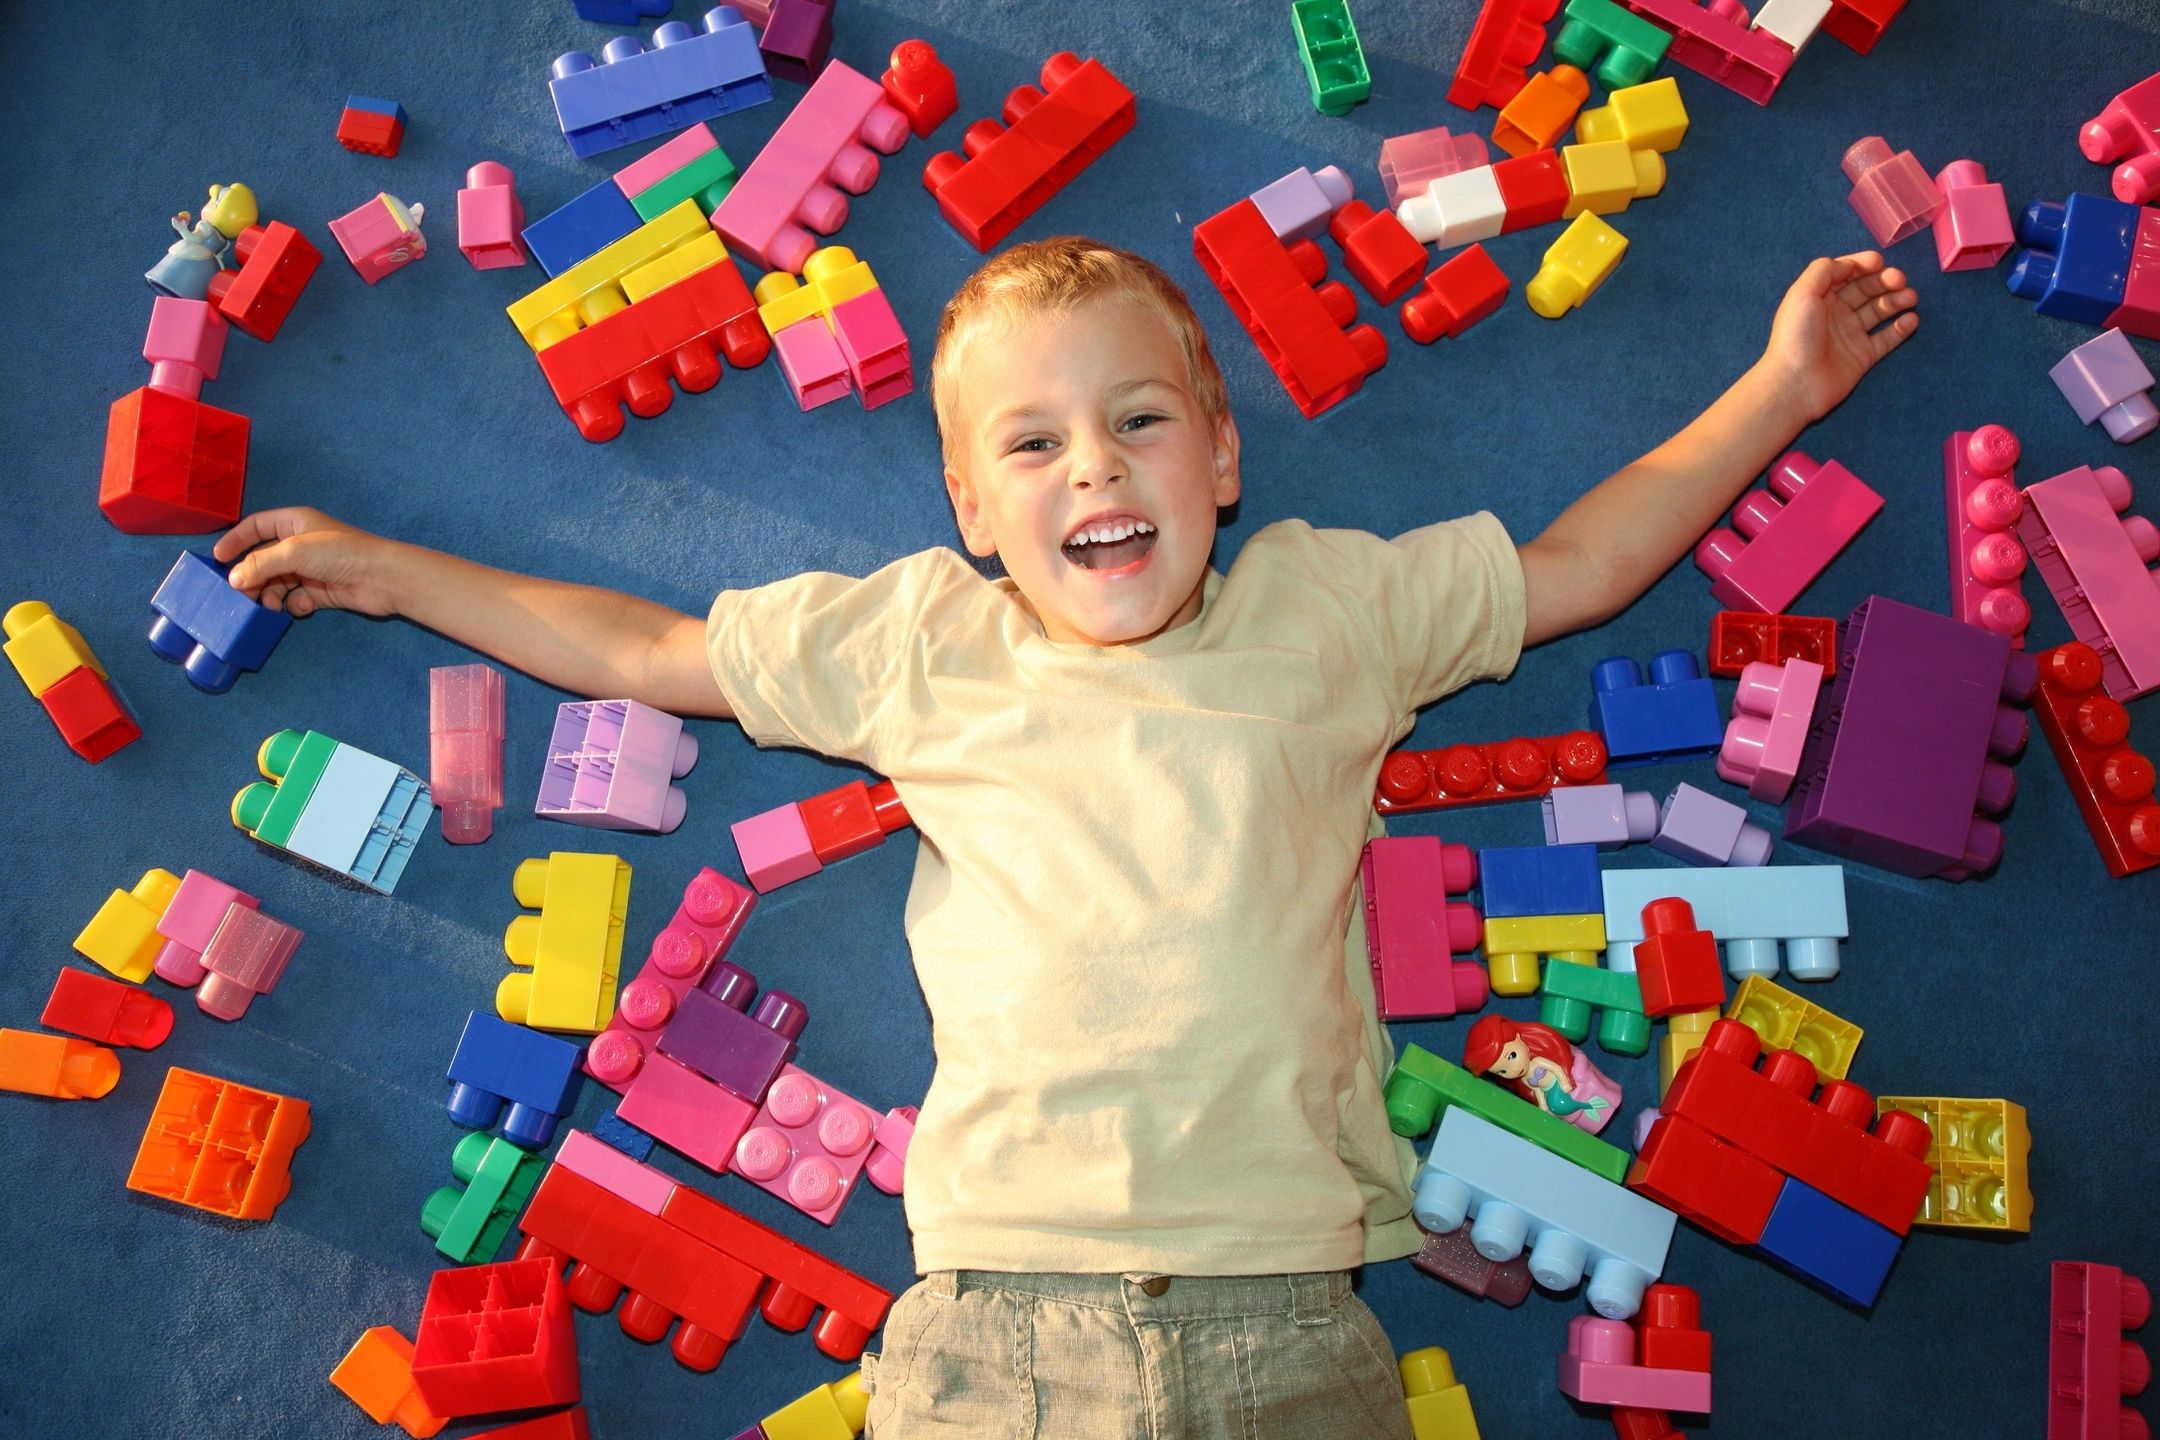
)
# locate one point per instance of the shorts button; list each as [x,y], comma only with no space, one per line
[1155,1285]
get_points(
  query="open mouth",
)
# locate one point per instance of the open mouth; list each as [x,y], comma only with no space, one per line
[1114,545]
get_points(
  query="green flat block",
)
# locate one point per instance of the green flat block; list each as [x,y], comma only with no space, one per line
[1334,61]
[1592,985]
[1422,1079]
[706,180]
[303,771]
[470,1225]
[1631,45]
[1572,990]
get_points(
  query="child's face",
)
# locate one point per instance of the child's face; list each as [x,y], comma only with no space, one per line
[1085,424]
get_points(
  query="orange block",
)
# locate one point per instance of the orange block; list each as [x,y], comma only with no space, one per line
[56,1066]
[376,1375]
[1541,111]
[219,1146]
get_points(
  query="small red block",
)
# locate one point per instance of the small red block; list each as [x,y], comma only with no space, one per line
[562,1425]
[1677,963]
[1454,297]
[920,87]
[88,715]
[366,133]
[1378,251]
[854,818]
[107,1011]
[1533,189]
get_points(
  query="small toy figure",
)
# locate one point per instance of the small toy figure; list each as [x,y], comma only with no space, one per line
[205,245]
[1537,1063]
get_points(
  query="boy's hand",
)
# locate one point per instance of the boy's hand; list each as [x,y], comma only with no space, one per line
[1837,320]
[300,560]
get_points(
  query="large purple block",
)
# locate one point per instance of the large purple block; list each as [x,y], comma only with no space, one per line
[716,1032]
[1903,763]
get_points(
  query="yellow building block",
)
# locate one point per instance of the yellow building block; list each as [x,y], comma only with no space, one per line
[1513,945]
[831,1412]
[702,252]
[123,936]
[591,290]
[1605,177]
[1439,1405]
[376,1375]
[1787,1022]
[1979,1157]
[43,648]
[1647,117]
[830,276]
[572,947]
[1586,253]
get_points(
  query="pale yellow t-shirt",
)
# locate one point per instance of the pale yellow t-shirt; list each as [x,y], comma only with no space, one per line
[1133,907]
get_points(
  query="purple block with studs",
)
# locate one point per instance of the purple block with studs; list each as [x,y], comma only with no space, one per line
[1704,829]
[797,40]
[717,1032]
[2104,380]
[1606,816]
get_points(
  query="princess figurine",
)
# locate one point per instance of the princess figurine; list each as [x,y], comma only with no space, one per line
[1537,1063]
[205,245]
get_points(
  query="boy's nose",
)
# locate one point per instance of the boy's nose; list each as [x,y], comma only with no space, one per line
[1092,467]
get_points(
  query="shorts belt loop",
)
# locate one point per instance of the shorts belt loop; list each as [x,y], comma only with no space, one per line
[1309,1303]
[945,1284]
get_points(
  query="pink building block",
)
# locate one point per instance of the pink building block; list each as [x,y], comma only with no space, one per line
[190,921]
[2095,567]
[2139,313]
[887,1167]
[2129,130]
[614,1171]
[1408,163]
[1298,206]
[1972,230]
[1715,42]
[829,143]
[381,236]
[775,846]
[685,1111]
[1601,1368]
[490,220]
[245,958]
[1981,505]
[1606,816]
[1770,716]
[2092,1364]
[875,348]
[465,749]
[610,764]
[184,346]
[807,1145]
[713,912]
[1891,193]
[1786,535]
[1413,932]
[2104,380]
[647,171]
[1702,829]
[810,361]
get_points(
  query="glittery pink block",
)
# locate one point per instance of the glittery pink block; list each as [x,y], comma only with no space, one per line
[1981,506]
[1891,194]
[1786,535]
[2128,129]
[647,171]
[614,1171]
[828,144]
[465,747]
[1408,163]
[184,346]
[807,1145]
[684,1111]
[1413,932]
[713,912]
[775,848]
[1770,716]
[1599,1369]
[811,363]
[246,958]
[2139,313]
[1972,230]
[887,1167]
[190,920]
[611,764]
[2094,564]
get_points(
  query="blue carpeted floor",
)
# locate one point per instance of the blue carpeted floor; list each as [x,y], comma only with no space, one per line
[412,407]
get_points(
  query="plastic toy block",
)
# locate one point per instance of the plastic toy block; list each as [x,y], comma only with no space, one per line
[1300,329]
[681,332]
[1972,230]
[797,39]
[851,819]
[635,94]
[1539,880]
[1713,40]
[1456,209]
[1908,759]
[1508,36]
[338,807]
[1784,1021]
[369,105]
[1772,710]
[465,743]
[1649,116]
[368,126]
[293,762]
[1514,944]
[1541,111]
[1676,964]
[920,86]
[185,343]
[831,275]
[1669,1333]
[1891,194]
[1606,816]
[1979,1156]
[497,1063]
[829,143]
[208,628]
[811,362]
[191,920]
[1422,1085]
[609,764]
[1575,265]
[578,230]
[1521,769]
[879,363]
[245,958]
[1454,1257]
[1439,1404]
[1704,829]
[1858,24]
[657,164]
[713,912]
[562,1425]
[495,1337]
[489,218]
[1981,505]
[831,1412]
[623,1136]
[2094,565]
[1572,988]
[572,948]
[469,1221]
[2104,380]
[382,235]
[1829,1245]
[1740,638]
[1716,1186]
[887,1165]
[173,466]
[107,1012]
[1605,178]
[43,648]
[717,1033]
[705,180]
[1630,1423]
[807,1145]
[1749,910]
[1414,932]
[2076,260]
[2111,781]
[686,1111]
[1378,252]
[1049,136]
[122,936]
[1572,1220]
[1408,163]
[1784,536]
[1670,715]
[376,1375]
[1533,190]
[88,715]
[2127,129]
[219,1146]
[276,263]
[2139,313]
[1625,48]
[621,12]
[1327,43]
[2091,1365]
[1464,290]
[614,1171]
[56,1068]
[591,290]
[1598,1368]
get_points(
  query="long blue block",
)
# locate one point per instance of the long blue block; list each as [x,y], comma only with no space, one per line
[622,12]
[1823,1242]
[1750,910]
[635,94]
[209,629]
[498,1063]
[1523,880]
[1670,716]
[582,228]
[2076,263]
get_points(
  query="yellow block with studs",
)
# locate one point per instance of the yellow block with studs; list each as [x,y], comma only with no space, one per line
[1604,178]
[43,648]
[1648,117]
[702,253]
[591,290]
[1513,945]
[830,276]
[1979,1154]
[123,936]
[571,951]
[831,1412]
[1787,1022]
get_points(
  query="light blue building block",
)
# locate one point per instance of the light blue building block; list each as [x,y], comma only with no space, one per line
[1749,910]
[1513,1192]
[363,819]
[1821,1241]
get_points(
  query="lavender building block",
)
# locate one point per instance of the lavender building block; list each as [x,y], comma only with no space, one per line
[2104,380]
[717,1033]
[1297,206]
[1703,829]
[610,764]
[1606,816]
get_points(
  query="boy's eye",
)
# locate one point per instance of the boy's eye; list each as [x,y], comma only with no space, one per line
[1033,445]
[1139,421]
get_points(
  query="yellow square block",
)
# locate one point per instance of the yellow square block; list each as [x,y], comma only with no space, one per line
[680,263]
[1979,1154]
[1513,945]
[830,276]
[591,290]
[831,1412]
[1647,117]
[1787,1022]
[1603,178]
[573,947]
[123,936]
[43,648]
[1439,1403]
[376,1375]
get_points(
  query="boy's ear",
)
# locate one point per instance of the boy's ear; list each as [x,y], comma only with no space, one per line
[967,513]
[1228,480]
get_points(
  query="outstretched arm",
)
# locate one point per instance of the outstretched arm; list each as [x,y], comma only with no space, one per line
[1837,320]
[578,637]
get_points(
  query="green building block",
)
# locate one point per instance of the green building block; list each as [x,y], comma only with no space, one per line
[292,763]
[707,180]
[1422,1085]
[1631,45]
[1572,989]
[1334,61]
[471,1224]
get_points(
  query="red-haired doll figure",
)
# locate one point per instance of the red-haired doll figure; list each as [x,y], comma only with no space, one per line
[1537,1063]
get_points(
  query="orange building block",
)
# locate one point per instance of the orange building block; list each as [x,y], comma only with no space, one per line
[55,1066]
[219,1146]
[376,1375]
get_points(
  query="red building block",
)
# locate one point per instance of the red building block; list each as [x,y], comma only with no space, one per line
[1689,1171]
[920,87]
[1677,963]
[1463,291]
[107,1011]
[173,466]
[1533,190]
[1506,40]
[854,818]
[1739,638]
[496,1337]
[1714,41]
[1629,1423]
[1520,769]
[2091,1367]
[88,714]
[1858,24]
[802,1280]
[367,132]
[2089,733]
[562,1425]
[1668,1330]
[1378,252]
[276,263]
[1049,136]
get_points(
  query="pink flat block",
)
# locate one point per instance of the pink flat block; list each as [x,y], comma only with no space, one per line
[1981,505]
[191,918]
[1787,534]
[1972,230]
[810,361]
[713,912]
[887,1168]
[1599,1369]
[1703,829]
[875,348]
[465,749]
[775,848]
[808,1144]
[2095,567]
[614,1171]
[1715,42]
[1770,716]
[2139,313]
[829,143]
[246,958]
[1408,163]
[647,171]
[1298,206]
[611,764]
[684,1111]
[1413,931]
[2128,129]
[184,346]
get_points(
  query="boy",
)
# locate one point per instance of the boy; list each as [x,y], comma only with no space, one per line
[1154,1147]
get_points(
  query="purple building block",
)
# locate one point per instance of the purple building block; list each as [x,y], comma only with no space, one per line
[1703,829]
[797,40]
[245,958]
[637,94]
[716,1032]
[609,764]
[1298,206]
[209,629]
[497,1062]
[2104,380]
[1602,815]
[1904,762]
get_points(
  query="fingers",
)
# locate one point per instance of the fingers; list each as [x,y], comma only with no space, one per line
[263,525]
[1883,307]
[260,568]
[1890,336]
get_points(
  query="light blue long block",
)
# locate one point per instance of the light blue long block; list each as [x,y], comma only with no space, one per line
[1750,911]
[343,805]
[394,835]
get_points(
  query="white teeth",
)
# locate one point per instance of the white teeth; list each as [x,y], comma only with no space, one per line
[1111,533]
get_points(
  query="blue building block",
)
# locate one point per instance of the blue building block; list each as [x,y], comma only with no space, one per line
[624,1136]
[582,228]
[372,106]
[1525,880]
[1672,716]
[496,1063]
[208,628]
[1826,1244]
[635,94]
[2076,260]
[622,12]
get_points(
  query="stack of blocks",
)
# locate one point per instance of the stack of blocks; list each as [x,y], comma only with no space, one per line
[62,674]
[1676,966]
[173,465]
[833,331]
[372,127]
[692,166]
[1751,911]
[1662,1362]
[793,842]
[335,806]
[1539,900]
[1414,932]
[1049,136]
[571,950]
[610,764]
[636,94]
[1979,1154]
[206,627]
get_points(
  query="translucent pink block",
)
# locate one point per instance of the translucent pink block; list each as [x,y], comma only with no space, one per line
[191,918]
[246,958]
[875,348]
[465,749]
[2139,313]
[1981,505]
[1606,816]
[828,144]
[1298,206]
[2104,380]
[811,362]
[775,848]
[1972,230]
[614,1171]
[610,764]
[1413,932]
[807,1145]
[887,1168]
[647,171]
[185,344]
[1783,537]
[2095,567]
[1599,1369]
[2128,129]
[1891,193]
[490,219]
[713,912]
[686,1112]
[1770,716]
[1702,829]
[1408,163]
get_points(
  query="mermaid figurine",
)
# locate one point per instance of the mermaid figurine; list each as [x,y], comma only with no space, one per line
[1537,1063]
[205,245]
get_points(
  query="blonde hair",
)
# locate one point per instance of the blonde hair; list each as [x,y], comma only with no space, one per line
[1054,277]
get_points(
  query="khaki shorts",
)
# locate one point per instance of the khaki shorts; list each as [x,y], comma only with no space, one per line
[986,1356]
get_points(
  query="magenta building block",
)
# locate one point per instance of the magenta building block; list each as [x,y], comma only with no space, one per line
[1413,931]
[1408,163]
[649,170]
[2104,380]
[2139,313]
[1591,1084]
[1298,206]
[245,958]
[190,920]
[1981,506]
[490,218]
[1783,537]
[811,363]
[828,144]
[610,764]
[713,912]
[1606,816]
[1599,1368]
[614,1171]
[775,848]
[1702,829]
[875,348]
[1906,765]
[2128,129]
[382,235]
[184,346]
[887,1166]
[465,749]
[718,1033]
[685,1111]
[796,41]
[807,1145]
[1770,716]
[1892,194]
[1972,230]
[2094,565]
